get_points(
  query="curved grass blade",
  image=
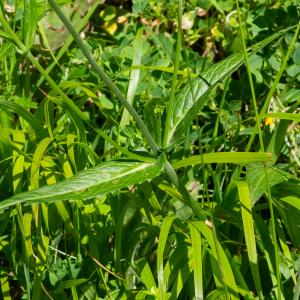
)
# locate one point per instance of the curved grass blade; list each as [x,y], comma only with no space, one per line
[197,261]
[223,158]
[193,97]
[146,273]
[27,116]
[222,266]
[163,237]
[90,183]
[37,160]
[246,209]
[134,75]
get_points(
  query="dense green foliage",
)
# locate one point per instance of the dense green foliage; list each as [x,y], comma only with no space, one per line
[149,149]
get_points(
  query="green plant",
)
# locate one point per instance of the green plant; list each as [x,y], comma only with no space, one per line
[143,205]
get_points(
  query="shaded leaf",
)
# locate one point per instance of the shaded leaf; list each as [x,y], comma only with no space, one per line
[256,179]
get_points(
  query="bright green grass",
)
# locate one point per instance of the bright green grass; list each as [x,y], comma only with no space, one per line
[131,171]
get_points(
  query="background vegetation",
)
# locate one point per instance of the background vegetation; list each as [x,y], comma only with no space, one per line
[192,194]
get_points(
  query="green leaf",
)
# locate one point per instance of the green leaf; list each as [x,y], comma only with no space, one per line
[194,96]
[9,106]
[37,160]
[256,179]
[246,209]
[163,237]
[134,75]
[145,273]
[90,183]
[288,209]
[30,21]
[294,201]
[220,264]
[197,261]
[222,157]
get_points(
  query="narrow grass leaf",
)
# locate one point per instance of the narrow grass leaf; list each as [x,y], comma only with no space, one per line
[197,261]
[222,268]
[183,274]
[18,161]
[291,200]
[36,162]
[134,75]
[90,183]
[9,106]
[246,209]
[163,238]
[278,140]
[222,158]
[146,273]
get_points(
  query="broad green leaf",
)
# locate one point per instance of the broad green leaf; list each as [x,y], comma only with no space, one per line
[246,209]
[93,182]
[194,96]
[222,157]
[256,179]
[284,116]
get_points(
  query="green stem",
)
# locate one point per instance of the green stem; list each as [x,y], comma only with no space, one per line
[274,85]
[104,77]
[169,122]
[269,196]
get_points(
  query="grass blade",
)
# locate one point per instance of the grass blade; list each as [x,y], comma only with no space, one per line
[197,261]
[246,208]
[163,237]
[134,74]
[222,158]
[224,274]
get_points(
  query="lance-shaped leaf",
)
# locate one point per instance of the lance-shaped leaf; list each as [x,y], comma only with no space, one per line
[90,183]
[194,96]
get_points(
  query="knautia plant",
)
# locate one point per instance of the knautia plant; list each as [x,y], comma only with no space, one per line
[113,189]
